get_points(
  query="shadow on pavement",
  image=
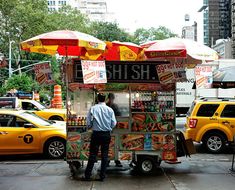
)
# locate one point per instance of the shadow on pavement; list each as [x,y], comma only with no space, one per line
[23,157]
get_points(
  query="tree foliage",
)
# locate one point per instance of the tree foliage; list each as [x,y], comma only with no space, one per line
[108,31]
[142,35]
[20,82]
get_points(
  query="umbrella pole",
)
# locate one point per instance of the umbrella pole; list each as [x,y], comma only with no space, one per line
[66,85]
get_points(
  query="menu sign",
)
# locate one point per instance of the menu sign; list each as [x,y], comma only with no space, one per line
[170,73]
[204,76]
[43,73]
[93,72]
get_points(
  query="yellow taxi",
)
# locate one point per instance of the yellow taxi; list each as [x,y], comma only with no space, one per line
[212,122]
[22,132]
[41,110]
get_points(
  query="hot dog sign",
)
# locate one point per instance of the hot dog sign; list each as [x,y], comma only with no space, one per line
[93,72]
[170,73]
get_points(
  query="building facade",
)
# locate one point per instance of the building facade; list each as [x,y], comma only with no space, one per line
[233,26]
[224,48]
[190,32]
[216,20]
[96,10]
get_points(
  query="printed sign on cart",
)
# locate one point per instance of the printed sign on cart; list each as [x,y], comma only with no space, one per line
[94,72]
[170,73]
[204,76]
[43,73]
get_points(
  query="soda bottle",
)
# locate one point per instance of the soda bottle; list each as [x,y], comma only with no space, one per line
[83,121]
[79,121]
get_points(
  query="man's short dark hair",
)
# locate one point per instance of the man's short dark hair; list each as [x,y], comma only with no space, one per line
[111,96]
[101,97]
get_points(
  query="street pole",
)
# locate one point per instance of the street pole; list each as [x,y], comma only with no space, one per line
[10,70]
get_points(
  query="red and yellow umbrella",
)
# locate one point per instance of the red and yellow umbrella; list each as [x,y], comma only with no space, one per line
[176,48]
[122,51]
[65,43]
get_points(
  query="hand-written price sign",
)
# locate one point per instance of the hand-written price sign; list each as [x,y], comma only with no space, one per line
[170,73]
[43,73]
[94,72]
[204,77]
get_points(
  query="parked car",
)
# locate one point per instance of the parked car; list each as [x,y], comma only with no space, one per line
[33,106]
[41,110]
[211,121]
[22,132]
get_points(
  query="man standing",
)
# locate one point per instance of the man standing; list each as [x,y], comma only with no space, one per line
[102,120]
[117,112]
[112,105]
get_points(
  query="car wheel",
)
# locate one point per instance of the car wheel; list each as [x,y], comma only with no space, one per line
[58,118]
[214,142]
[55,148]
[146,164]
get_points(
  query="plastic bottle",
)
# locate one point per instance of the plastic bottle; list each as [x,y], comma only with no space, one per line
[79,121]
[82,121]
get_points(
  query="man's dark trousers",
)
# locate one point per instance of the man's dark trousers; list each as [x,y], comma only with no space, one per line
[98,139]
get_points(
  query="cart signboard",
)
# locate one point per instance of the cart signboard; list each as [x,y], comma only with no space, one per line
[171,73]
[204,76]
[43,73]
[93,72]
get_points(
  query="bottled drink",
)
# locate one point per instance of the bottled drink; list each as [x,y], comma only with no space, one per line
[79,121]
[82,121]
[69,120]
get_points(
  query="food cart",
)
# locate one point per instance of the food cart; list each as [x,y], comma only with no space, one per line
[145,133]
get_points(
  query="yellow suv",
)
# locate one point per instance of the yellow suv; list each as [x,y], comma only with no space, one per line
[211,121]
[22,132]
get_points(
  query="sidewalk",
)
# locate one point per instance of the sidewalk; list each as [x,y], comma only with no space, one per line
[201,172]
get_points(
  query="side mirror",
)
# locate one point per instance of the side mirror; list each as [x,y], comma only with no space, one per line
[28,125]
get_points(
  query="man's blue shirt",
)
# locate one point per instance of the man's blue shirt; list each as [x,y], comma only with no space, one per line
[101,118]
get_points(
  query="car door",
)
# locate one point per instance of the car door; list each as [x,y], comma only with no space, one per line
[227,118]
[15,138]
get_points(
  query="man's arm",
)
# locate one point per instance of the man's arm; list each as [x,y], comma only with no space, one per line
[113,120]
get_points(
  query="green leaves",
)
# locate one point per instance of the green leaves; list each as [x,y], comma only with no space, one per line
[21,82]
[108,31]
[142,35]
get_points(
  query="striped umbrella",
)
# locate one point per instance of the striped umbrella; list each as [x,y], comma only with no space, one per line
[186,50]
[65,43]
[122,51]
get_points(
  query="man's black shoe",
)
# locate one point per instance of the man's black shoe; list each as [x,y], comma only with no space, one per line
[118,163]
[86,179]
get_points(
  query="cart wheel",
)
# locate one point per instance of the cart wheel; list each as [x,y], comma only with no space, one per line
[146,164]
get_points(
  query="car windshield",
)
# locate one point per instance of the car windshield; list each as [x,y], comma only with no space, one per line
[32,117]
[39,105]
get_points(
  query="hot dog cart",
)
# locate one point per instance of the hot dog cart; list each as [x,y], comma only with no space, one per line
[145,133]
